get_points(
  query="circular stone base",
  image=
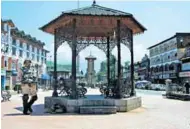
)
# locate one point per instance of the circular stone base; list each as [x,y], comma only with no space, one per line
[92,105]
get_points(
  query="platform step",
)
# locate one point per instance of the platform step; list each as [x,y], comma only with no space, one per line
[101,102]
[98,109]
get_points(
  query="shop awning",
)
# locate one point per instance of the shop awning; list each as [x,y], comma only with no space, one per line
[14,72]
[45,76]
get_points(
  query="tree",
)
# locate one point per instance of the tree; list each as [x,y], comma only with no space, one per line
[127,64]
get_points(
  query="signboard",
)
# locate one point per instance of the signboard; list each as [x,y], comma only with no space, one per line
[8,73]
[136,75]
[14,73]
[180,53]
[184,74]
[3,72]
[186,66]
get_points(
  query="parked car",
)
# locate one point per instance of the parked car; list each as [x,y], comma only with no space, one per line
[143,84]
[158,87]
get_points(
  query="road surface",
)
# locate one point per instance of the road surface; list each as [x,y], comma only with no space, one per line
[156,113]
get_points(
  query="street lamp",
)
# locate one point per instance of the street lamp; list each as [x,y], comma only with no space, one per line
[181,41]
[49,70]
[36,67]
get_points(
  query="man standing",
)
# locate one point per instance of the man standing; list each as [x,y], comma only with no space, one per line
[187,86]
[28,87]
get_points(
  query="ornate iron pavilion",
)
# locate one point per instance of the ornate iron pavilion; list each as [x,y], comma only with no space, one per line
[102,27]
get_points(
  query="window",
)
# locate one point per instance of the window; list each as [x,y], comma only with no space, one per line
[28,54]
[14,42]
[5,63]
[42,60]
[14,51]
[45,61]
[38,51]
[5,27]
[38,58]
[21,44]
[20,53]
[32,48]
[150,52]
[28,47]
[176,55]
[165,47]
[33,57]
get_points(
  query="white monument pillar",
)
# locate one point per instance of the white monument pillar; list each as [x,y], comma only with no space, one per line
[91,79]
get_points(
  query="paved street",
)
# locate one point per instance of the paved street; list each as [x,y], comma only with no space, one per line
[155,113]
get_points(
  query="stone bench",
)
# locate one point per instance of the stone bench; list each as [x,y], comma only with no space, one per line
[179,96]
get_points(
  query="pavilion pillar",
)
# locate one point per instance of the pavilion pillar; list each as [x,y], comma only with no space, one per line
[132,66]
[74,89]
[55,94]
[118,92]
[108,60]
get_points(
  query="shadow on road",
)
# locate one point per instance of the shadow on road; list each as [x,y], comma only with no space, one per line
[38,110]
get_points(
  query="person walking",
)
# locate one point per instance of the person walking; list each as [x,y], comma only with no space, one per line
[187,86]
[28,85]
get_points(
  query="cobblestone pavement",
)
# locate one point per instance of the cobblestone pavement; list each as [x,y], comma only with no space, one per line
[155,113]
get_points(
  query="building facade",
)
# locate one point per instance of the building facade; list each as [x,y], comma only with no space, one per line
[165,60]
[144,68]
[20,47]
[184,55]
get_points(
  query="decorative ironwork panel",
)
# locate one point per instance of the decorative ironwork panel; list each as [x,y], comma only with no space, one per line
[126,35]
[80,47]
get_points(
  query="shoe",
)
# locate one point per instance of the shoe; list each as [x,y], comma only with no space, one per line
[30,110]
[26,113]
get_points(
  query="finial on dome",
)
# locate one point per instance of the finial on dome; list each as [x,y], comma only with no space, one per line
[94,2]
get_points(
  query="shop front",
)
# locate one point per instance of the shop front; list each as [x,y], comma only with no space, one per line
[185,74]
[3,78]
[8,84]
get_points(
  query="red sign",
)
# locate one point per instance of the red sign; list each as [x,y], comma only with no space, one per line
[184,74]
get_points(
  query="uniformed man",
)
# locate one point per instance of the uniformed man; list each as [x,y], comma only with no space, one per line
[28,87]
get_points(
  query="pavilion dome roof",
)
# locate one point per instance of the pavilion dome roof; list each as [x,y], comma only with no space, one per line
[90,17]
[97,10]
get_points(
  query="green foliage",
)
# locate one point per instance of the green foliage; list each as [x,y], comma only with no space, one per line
[103,67]
[127,63]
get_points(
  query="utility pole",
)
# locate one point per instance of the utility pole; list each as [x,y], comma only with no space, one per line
[78,4]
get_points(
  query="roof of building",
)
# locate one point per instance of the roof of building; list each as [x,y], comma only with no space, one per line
[180,34]
[21,34]
[9,21]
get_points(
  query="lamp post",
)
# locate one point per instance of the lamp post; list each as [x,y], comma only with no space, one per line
[178,69]
[50,68]
[36,67]
[162,67]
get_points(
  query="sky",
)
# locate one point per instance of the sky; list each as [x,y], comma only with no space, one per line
[162,20]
